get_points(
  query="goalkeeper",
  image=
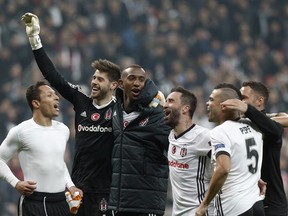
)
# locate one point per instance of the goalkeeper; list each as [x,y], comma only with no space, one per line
[91,171]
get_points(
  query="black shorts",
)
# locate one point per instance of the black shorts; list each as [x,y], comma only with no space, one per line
[256,210]
[114,213]
[275,211]
[43,204]
[94,204]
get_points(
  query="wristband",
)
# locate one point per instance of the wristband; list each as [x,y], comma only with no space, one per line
[35,42]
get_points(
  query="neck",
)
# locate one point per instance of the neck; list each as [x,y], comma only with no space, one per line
[232,117]
[127,105]
[184,124]
[41,120]
[103,101]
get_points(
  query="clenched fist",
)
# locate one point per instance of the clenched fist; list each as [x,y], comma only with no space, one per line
[31,22]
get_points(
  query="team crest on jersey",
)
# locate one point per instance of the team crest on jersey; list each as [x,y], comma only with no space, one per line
[183,151]
[95,116]
[173,149]
[144,122]
[103,205]
[108,114]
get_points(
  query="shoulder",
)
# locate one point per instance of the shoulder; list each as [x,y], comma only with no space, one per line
[59,124]
[202,130]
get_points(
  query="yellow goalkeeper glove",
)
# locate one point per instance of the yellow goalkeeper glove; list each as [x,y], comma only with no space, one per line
[31,22]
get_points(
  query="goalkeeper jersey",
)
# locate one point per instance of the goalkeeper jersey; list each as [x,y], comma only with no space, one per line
[94,142]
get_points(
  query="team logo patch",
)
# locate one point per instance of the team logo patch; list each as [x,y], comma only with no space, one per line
[103,205]
[108,114]
[173,150]
[144,122]
[95,116]
[183,151]
[220,145]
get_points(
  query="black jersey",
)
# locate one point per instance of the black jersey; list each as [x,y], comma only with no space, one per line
[91,169]
[270,172]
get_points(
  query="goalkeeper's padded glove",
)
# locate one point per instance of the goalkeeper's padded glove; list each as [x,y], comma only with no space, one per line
[31,22]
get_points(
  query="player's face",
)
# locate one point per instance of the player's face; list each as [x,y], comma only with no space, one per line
[249,96]
[172,109]
[214,107]
[100,86]
[49,102]
[133,82]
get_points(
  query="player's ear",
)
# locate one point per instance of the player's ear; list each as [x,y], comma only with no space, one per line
[35,103]
[186,108]
[114,85]
[120,83]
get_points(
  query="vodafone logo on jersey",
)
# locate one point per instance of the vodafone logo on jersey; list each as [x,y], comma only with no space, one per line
[94,128]
[95,116]
[176,164]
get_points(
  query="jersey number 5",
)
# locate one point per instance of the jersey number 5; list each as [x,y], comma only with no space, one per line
[250,154]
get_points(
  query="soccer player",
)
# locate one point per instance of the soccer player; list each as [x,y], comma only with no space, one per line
[140,166]
[255,97]
[189,153]
[237,151]
[91,169]
[40,143]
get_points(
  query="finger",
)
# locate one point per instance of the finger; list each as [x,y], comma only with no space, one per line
[32,182]
[28,18]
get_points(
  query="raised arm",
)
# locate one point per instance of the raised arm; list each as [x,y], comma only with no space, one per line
[44,63]
[263,122]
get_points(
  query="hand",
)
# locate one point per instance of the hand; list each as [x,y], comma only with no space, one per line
[234,104]
[201,211]
[73,189]
[262,186]
[26,187]
[31,22]
[74,201]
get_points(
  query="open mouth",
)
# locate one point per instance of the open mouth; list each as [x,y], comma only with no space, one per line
[56,106]
[135,92]
[166,114]
[95,89]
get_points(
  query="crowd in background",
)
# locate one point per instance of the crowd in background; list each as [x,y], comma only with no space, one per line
[196,44]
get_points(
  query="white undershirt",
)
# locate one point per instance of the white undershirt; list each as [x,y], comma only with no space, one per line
[129,117]
[41,155]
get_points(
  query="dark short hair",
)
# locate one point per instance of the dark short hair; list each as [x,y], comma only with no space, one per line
[187,97]
[229,91]
[258,87]
[133,66]
[104,66]
[33,92]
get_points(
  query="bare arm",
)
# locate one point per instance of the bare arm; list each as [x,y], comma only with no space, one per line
[217,181]
[8,148]
[281,119]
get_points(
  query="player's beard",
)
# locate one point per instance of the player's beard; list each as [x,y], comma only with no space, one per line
[173,119]
[103,92]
